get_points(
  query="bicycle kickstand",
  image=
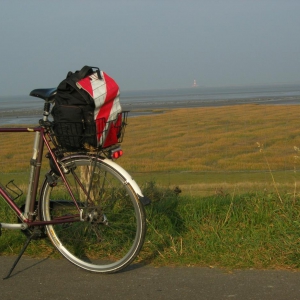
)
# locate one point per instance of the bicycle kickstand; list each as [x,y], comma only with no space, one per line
[20,255]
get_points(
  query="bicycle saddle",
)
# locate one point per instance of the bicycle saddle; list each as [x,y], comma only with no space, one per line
[46,94]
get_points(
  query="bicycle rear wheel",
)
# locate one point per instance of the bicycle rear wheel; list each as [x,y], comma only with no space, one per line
[113,230]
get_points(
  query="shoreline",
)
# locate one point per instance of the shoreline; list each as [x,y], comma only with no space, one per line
[145,107]
[291,100]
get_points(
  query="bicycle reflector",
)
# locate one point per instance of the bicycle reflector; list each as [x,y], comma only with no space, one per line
[116,153]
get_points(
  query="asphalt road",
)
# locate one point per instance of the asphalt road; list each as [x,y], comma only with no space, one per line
[58,279]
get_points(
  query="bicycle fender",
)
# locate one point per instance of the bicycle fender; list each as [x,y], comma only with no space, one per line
[128,179]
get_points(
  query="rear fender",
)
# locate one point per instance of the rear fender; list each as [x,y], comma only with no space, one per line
[128,179]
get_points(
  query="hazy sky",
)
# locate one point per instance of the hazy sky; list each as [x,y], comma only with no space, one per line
[149,44]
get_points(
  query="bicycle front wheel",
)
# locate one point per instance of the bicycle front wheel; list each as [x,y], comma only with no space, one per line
[109,225]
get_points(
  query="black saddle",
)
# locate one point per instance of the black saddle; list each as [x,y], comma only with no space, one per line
[46,94]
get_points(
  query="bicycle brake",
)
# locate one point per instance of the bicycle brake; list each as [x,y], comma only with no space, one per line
[51,179]
[54,167]
[52,164]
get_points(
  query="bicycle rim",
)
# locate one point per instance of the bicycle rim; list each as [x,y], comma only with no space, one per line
[113,231]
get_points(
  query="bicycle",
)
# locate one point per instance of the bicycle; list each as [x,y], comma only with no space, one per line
[89,207]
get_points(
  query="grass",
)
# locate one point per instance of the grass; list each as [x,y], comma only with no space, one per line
[253,230]
[215,146]
[192,146]
[237,168]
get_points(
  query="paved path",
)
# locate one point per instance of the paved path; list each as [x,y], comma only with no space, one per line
[58,279]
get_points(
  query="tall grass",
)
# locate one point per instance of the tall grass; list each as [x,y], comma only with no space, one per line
[214,142]
[239,206]
[213,139]
[253,230]
[213,146]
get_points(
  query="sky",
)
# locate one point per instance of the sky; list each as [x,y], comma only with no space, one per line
[149,44]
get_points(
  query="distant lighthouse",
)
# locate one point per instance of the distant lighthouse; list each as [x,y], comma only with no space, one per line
[195,83]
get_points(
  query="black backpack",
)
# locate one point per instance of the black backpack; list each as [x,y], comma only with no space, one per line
[73,112]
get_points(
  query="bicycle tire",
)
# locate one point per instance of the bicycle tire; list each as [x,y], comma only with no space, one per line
[109,242]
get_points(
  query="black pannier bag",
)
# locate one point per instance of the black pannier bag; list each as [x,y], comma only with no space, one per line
[87,111]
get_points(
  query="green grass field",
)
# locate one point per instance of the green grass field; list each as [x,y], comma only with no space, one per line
[238,170]
[253,230]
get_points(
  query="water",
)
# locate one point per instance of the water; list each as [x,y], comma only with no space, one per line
[219,93]
[27,110]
